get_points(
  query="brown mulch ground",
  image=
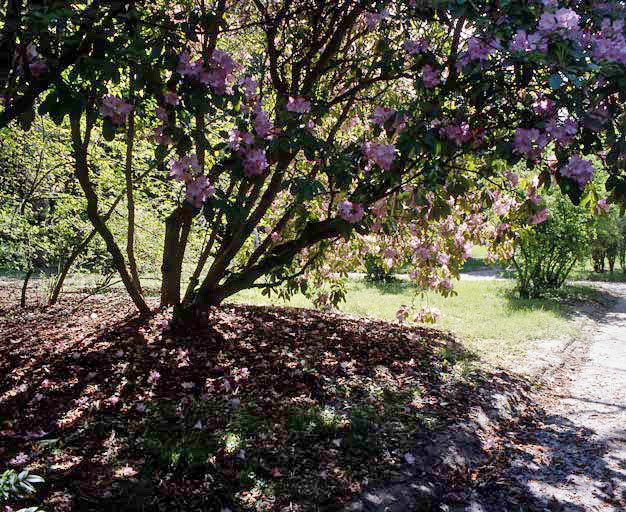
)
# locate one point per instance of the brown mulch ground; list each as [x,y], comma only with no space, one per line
[276,409]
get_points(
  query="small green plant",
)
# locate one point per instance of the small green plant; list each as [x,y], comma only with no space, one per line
[545,254]
[14,485]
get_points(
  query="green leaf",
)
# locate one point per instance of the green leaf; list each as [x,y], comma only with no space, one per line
[555,81]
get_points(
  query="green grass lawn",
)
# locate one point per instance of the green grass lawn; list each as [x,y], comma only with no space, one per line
[486,315]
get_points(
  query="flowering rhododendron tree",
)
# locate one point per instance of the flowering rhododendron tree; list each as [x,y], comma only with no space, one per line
[304,133]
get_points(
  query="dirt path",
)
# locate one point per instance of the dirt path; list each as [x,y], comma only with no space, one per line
[579,457]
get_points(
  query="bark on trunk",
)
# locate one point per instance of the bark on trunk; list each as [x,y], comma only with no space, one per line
[130,199]
[177,228]
[81,171]
[54,296]
[24,287]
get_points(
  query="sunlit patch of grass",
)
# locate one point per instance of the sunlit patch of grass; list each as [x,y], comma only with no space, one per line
[486,315]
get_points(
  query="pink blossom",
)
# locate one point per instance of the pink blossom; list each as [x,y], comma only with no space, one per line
[415,47]
[198,190]
[255,162]
[19,460]
[579,170]
[543,106]
[154,376]
[238,138]
[381,115]
[298,104]
[381,154]
[523,42]
[115,109]
[430,76]
[171,98]
[602,206]
[529,142]
[262,125]
[250,88]
[351,212]
[539,217]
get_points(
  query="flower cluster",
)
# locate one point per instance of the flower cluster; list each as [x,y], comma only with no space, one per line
[563,132]
[254,159]
[216,72]
[430,76]
[523,42]
[350,212]
[579,170]
[115,109]
[529,142]
[187,170]
[478,50]
[413,47]
[382,115]
[561,19]
[610,43]
[382,155]
[298,105]
[458,133]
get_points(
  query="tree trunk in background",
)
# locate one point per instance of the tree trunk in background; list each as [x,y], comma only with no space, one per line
[130,199]
[58,286]
[81,171]
[24,287]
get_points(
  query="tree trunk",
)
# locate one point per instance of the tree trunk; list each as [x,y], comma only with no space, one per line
[130,199]
[81,170]
[24,287]
[58,286]
[177,227]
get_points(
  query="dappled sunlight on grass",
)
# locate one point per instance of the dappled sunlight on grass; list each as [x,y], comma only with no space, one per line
[486,314]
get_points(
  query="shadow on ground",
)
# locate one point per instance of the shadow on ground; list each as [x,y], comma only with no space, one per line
[284,409]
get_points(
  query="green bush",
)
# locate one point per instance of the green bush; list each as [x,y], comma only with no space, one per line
[546,253]
[375,272]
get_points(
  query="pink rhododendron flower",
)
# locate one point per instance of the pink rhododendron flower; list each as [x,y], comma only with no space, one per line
[523,42]
[579,170]
[543,106]
[115,109]
[298,104]
[415,47]
[381,115]
[563,132]
[255,162]
[430,76]
[351,212]
[382,155]
[602,206]
[238,138]
[171,98]
[539,217]
[198,190]
[262,125]
[529,142]
[250,88]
